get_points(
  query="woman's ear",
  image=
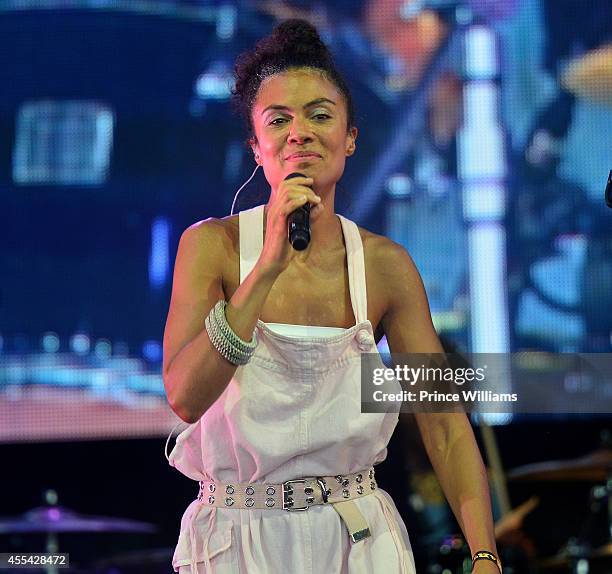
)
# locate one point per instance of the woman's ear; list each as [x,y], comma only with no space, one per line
[351,136]
[255,149]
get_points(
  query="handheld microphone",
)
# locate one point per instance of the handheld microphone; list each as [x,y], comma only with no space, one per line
[609,190]
[298,222]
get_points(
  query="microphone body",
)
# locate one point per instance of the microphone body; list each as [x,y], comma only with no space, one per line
[608,193]
[298,222]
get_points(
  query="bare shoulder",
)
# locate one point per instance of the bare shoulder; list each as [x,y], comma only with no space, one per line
[389,260]
[210,237]
[212,227]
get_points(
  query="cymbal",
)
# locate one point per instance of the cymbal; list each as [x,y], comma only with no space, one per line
[60,519]
[563,558]
[603,551]
[594,467]
[590,76]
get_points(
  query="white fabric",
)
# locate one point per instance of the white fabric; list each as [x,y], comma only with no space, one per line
[292,411]
[304,330]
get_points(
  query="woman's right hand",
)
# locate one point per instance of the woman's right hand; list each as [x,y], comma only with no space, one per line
[291,193]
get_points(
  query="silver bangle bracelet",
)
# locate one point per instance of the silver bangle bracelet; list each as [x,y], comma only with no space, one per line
[228,332]
[223,346]
[230,340]
[224,339]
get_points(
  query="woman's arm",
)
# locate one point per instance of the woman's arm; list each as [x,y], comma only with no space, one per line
[455,457]
[448,437]
[194,372]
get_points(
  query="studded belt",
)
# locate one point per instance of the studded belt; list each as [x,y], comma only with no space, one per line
[298,494]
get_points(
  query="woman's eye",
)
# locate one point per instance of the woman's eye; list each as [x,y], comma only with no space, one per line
[279,121]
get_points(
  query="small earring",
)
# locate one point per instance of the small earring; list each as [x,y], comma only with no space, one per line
[257,157]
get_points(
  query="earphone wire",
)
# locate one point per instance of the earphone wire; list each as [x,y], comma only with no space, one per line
[241,187]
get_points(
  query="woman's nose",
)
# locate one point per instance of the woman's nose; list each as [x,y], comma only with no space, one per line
[299,130]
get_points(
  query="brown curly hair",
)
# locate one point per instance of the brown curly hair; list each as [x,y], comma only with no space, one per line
[292,44]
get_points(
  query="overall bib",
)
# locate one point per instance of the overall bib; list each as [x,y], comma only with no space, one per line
[292,411]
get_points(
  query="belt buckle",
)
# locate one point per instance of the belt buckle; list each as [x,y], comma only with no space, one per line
[288,503]
[325,492]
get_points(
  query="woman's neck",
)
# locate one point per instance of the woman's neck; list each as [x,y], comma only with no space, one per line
[325,233]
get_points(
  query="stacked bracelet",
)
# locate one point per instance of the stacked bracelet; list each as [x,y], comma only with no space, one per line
[230,346]
[486,555]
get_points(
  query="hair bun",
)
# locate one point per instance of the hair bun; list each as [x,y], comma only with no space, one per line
[301,37]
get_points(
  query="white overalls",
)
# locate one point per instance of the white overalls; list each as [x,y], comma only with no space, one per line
[292,411]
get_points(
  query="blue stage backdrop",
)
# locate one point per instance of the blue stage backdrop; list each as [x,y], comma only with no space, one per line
[484,148]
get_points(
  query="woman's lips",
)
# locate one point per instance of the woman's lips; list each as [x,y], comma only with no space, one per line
[303,157]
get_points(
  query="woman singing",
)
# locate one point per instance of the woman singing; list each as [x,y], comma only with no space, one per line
[262,353]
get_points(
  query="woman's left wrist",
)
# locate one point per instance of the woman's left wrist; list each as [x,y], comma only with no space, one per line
[488,560]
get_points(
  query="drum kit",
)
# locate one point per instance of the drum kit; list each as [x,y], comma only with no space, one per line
[579,555]
[53,519]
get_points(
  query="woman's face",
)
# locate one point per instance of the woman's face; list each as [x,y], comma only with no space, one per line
[298,112]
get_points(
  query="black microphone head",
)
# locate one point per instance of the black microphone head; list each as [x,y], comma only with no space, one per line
[609,190]
[294,174]
[300,240]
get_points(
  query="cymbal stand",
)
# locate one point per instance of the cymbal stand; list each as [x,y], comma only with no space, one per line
[609,495]
[52,544]
[579,549]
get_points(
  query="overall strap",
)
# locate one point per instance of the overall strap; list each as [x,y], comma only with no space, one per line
[356,269]
[250,231]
